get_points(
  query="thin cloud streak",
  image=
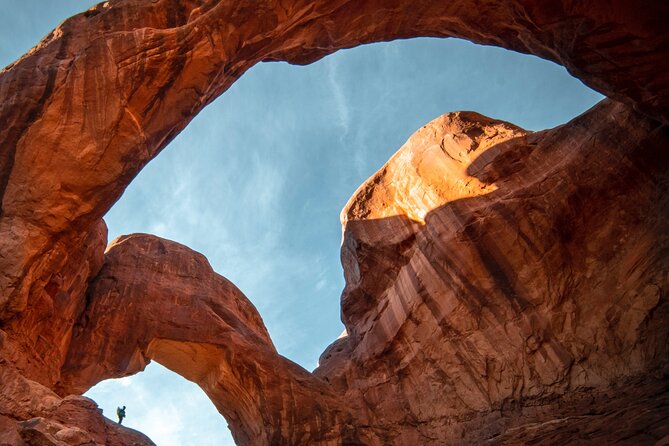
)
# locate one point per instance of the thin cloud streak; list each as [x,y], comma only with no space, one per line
[339,96]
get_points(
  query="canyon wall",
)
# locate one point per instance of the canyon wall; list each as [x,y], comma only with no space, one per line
[493,275]
[490,269]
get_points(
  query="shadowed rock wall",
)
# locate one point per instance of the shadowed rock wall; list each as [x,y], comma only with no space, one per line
[539,272]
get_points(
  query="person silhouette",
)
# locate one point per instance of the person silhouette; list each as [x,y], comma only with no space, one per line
[120,413]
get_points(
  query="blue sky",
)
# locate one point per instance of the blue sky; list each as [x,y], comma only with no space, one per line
[257,181]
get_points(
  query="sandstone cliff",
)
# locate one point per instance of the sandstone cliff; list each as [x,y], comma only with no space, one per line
[489,270]
[501,285]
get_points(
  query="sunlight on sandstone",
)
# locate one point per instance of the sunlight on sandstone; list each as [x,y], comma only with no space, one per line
[257,179]
[431,169]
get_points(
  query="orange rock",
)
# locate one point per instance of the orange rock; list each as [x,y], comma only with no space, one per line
[469,302]
[538,280]
[428,171]
[31,414]
[491,274]
[107,90]
[156,299]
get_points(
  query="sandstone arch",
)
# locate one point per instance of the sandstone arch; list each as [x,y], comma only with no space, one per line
[468,297]
[108,89]
[98,98]
[156,299]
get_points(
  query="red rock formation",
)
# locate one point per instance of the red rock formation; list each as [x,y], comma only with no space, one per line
[156,299]
[107,90]
[551,283]
[470,301]
[31,414]
[429,171]
[538,278]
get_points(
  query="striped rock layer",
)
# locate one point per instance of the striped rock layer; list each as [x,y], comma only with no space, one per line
[501,285]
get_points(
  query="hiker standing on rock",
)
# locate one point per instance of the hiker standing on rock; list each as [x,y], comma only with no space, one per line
[120,413]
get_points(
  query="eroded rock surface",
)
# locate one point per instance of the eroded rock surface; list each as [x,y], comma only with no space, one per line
[470,304]
[501,285]
[106,91]
[33,415]
[156,299]
[539,273]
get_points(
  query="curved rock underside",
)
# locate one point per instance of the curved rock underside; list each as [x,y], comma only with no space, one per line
[501,286]
[156,299]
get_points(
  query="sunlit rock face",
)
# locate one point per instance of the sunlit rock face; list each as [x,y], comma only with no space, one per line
[496,290]
[498,279]
[431,169]
[499,284]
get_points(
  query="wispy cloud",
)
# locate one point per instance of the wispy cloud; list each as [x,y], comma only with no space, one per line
[341,103]
[164,423]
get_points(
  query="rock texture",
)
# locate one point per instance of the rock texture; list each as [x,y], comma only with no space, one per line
[156,299]
[488,269]
[33,415]
[500,285]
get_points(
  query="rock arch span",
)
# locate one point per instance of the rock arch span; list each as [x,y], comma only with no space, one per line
[98,98]
[157,299]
